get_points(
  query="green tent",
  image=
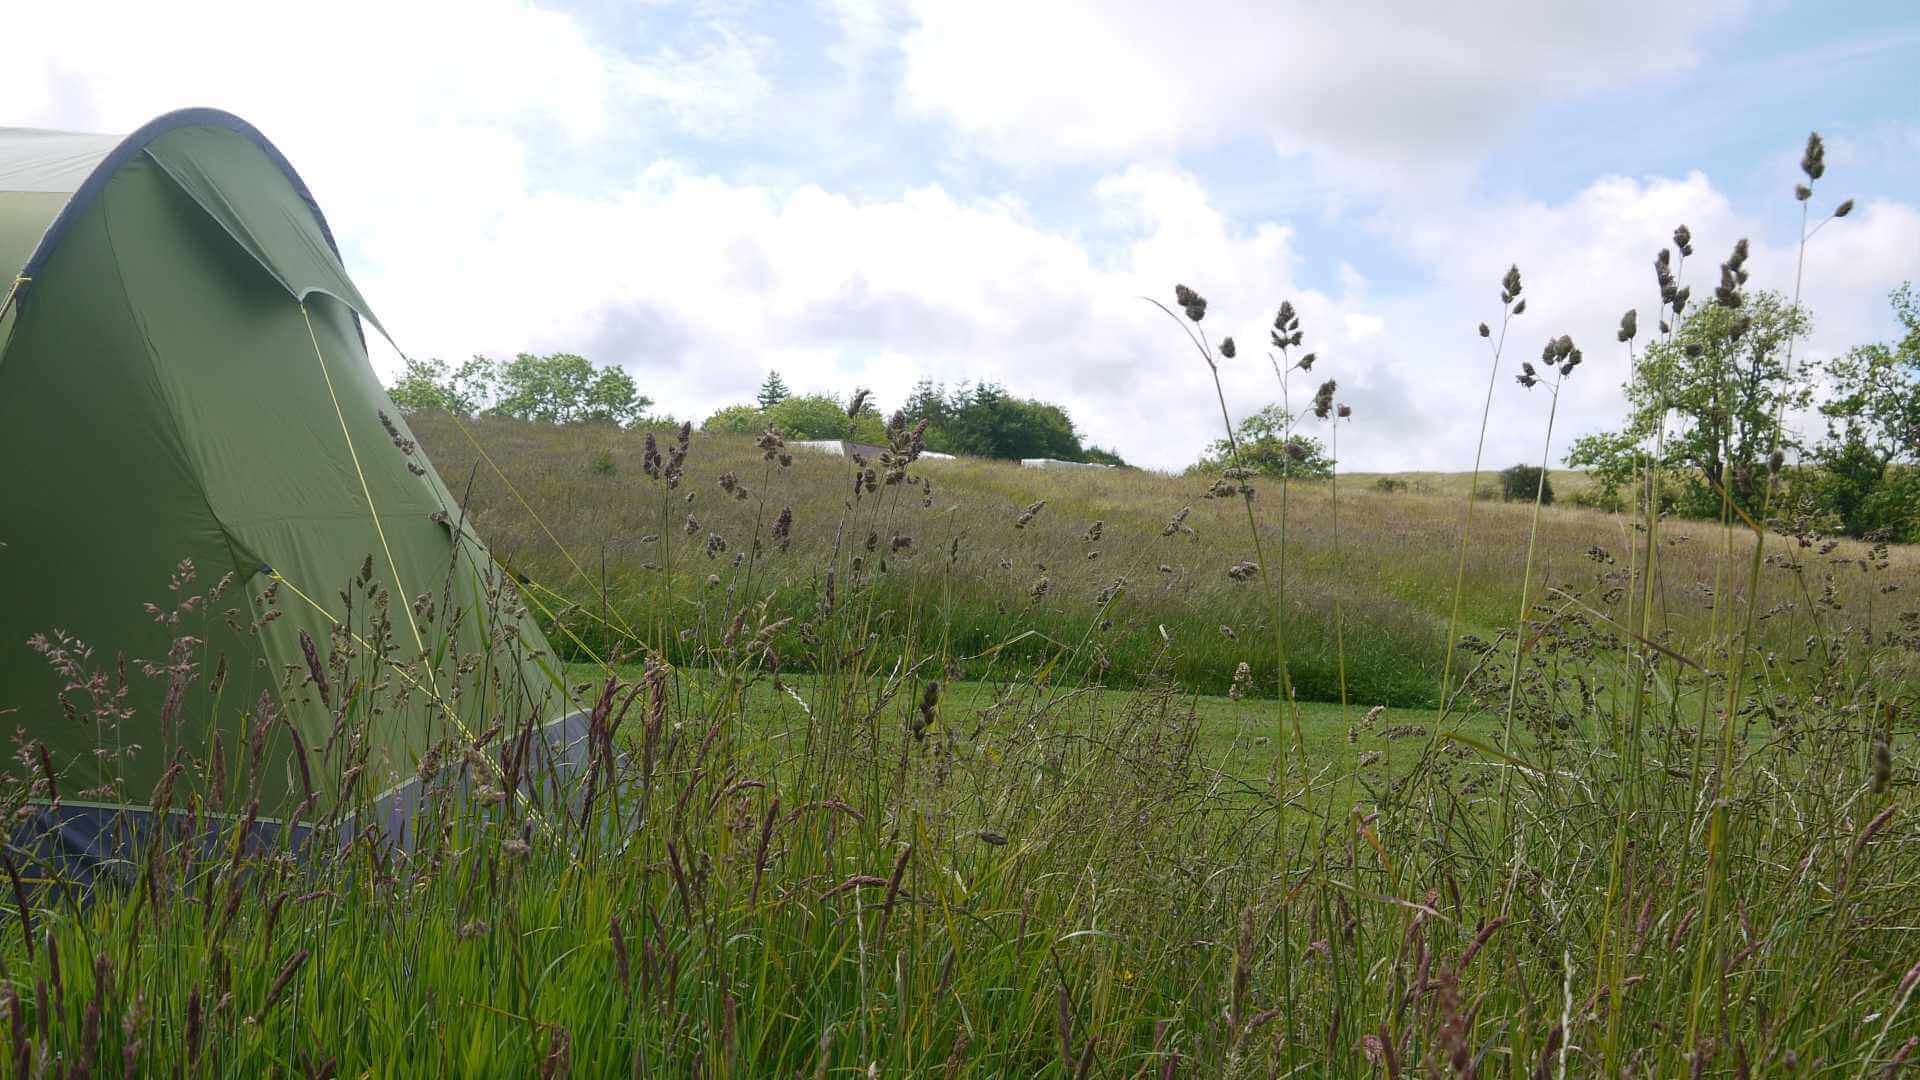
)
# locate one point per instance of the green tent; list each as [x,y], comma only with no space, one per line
[184,381]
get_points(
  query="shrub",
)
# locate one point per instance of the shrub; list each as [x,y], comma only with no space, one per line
[1520,482]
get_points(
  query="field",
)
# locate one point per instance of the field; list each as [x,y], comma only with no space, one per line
[1393,581]
[885,807]
[906,768]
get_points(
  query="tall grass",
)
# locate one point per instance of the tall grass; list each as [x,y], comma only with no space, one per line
[1656,831]
[1395,590]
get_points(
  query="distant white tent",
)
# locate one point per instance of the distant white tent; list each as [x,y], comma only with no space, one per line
[848,448]
[1056,463]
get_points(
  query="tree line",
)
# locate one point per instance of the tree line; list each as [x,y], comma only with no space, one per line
[976,420]
[982,420]
[1714,415]
[559,388]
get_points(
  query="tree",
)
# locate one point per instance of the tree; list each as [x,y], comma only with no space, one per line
[547,389]
[565,388]
[559,389]
[1872,447]
[823,416]
[927,401]
[1269,446]
[1521,483]
[433,386]
[737,420]
[1719,386]
[978,421]
[612,398]
[986,421]
[773,390]
[801,416]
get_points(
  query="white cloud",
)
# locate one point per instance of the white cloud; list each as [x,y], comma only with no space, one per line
[423,111]
[1588,259]
[837,292]
[1364,80]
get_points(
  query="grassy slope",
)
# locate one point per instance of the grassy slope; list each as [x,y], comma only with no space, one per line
[1566,483]
[971,570]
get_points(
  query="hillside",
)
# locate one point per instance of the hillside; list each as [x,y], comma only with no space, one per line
[949,549]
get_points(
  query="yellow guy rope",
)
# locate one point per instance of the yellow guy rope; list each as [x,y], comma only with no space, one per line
[527,583]
[433,694]
[406,598]
[392,565]
[624,627]
[13,291]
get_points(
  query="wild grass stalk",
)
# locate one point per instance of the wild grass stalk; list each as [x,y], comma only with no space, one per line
[1733,278]
[1512,305]
[1341,412]
[1239,475]
[1558,360]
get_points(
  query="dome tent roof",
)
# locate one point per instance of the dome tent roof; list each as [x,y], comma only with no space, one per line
[49,179]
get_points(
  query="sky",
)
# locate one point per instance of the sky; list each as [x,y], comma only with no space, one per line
[872,192]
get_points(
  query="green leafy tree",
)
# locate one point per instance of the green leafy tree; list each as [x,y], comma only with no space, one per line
[1614,460]
[801,416]
[773,390]
[986,421]
[1269,445]
[565,388]
[823,416]
[435,386]
[1871,453]
[1719,386]
[737,420]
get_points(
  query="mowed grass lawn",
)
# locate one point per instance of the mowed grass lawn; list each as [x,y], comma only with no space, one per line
[1244,739]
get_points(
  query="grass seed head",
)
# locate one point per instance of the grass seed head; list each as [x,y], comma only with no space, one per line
[1813,161]
[1510,285]
[1191,302]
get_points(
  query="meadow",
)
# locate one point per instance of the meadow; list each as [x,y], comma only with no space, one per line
[574,510]
[916,768]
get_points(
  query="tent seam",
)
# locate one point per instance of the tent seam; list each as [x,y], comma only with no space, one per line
[147,152]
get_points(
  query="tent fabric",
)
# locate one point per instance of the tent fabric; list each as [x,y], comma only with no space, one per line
[39,172]
[183,382]
[224,172]
[49,161]
[84,844]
